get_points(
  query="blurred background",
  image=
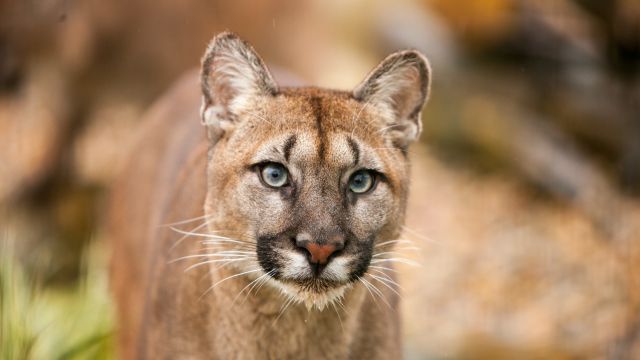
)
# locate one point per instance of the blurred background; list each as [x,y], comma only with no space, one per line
[526,184]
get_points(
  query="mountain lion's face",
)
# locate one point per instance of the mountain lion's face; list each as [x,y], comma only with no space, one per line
[309,184]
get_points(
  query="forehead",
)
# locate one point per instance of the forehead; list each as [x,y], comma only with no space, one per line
[337,151]
[310,123]
[319,111]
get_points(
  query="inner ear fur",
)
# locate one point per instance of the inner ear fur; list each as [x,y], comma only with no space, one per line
[398,88]
[232,75]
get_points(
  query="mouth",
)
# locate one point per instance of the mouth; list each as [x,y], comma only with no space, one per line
[299,268]
[314,285]
[306,275]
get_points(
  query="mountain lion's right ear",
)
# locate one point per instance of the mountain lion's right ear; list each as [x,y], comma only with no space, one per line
[232,75]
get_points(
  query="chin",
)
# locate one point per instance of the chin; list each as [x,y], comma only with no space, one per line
[313,294]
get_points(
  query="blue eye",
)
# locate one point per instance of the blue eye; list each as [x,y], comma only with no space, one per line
[274,175]
[361,181]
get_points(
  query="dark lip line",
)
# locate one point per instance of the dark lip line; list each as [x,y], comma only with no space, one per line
[311,279]
[353,275]
[315,280]
[316,277]
[313,285]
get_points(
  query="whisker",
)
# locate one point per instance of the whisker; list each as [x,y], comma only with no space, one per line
[283,309]
[337,313]
[419,235]
[185,235]
[266,280]
[215,232]
[259,284]
[397,241]
[399,250]
[210,235]
[213,238]
[383,268]
[216,261]
[253,282]
[398,260]
[385,284]
[203,256]
[235,252]
[226,246]
[379,293]
[366,286]
[386,253]
[384,274]
[251,254]
[339,302]
[227,278]
[219,247]
[386,280]
[185,221]
[376,291]
[206,235]
[226,241]
[216,239]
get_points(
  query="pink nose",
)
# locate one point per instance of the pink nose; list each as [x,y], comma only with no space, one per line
[319,253]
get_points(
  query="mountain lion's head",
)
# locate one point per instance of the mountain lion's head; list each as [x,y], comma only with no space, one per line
[307,187]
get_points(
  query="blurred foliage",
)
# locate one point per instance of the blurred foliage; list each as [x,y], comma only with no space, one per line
[38,322]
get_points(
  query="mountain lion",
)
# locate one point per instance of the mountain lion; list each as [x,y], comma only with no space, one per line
[267,228]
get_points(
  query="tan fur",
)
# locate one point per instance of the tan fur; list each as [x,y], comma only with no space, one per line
[178,171]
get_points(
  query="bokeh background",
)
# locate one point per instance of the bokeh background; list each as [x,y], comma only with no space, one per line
[525,202]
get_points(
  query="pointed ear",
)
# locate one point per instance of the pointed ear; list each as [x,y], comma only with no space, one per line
[232,76]
[398,87]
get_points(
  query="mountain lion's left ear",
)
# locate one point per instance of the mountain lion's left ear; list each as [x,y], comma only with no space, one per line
[398,87]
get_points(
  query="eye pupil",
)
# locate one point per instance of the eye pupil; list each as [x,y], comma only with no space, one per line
[361,182]
[274,175]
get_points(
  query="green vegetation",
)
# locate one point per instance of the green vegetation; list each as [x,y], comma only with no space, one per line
[41,322]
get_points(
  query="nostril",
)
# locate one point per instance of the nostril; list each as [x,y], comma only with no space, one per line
[302,247]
